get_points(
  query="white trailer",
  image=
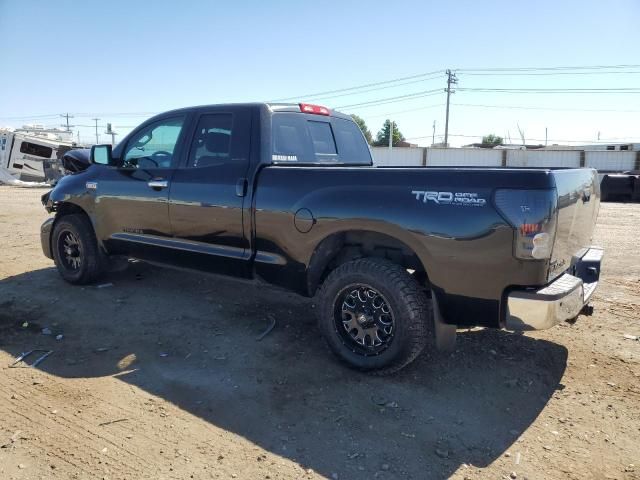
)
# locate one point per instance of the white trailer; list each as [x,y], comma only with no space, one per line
[33,154]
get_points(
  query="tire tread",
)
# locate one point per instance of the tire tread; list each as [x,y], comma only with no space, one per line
[399,280]
[94,261]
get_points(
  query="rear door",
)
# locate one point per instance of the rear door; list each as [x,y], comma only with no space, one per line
[208,198]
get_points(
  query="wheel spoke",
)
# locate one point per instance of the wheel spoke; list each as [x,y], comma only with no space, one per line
[70,250]
[366,319]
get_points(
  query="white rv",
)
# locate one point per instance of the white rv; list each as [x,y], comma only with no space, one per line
[33,153]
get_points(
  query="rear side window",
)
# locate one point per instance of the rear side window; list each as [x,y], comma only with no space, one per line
[212,141]
[312,139]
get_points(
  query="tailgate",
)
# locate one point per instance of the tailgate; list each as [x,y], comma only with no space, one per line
[578,204]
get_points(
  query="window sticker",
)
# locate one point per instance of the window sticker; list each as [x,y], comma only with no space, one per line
[284,158]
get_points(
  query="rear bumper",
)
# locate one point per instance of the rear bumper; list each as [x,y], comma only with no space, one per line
[45,237]
[561,300]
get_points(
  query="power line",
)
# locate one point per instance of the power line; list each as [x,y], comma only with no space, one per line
[522,69]
[426,107]
[596,72]
[520,107]
[357,87]
[399,98]
[568,70]
[469,71]
[554,90]
[82,115]
[104,126]
[50,115]
[371,89]
[411,79]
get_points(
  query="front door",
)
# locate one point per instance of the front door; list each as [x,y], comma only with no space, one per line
[132,199]
[208,193]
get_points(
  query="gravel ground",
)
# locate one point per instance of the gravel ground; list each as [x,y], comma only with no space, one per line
[160,375]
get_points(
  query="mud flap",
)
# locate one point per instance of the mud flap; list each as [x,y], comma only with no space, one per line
[445,334]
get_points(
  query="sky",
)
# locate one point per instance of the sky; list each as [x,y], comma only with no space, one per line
[121,61]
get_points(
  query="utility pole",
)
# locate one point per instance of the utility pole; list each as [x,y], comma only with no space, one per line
[67,117]
[97,137]
[545,136]
[451,80]
[390,134]
[433,134]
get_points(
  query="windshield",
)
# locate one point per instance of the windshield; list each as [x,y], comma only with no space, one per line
[317,139]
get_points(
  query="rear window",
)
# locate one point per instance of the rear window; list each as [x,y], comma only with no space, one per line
[314,139]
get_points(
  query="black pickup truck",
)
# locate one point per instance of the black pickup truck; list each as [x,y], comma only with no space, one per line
[396,258]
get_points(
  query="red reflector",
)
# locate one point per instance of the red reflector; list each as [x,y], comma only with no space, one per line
[529,228]
[315,109]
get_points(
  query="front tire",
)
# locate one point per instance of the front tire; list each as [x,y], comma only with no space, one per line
[374,315]
[75,250]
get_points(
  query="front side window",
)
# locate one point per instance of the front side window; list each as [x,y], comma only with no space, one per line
[154,146]
[211,143]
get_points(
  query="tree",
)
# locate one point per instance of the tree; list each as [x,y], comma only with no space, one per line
[492,140]
[363,126]
[382,139]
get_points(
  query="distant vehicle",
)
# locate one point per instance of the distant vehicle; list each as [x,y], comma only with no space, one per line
[287,195]
[33,154]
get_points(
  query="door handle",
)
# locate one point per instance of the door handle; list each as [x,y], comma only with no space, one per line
[158,184]
[241,187]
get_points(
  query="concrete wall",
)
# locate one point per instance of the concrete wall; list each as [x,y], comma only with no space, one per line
[481,157]
[397,156]
[543,158]
[610,160]
[464,157]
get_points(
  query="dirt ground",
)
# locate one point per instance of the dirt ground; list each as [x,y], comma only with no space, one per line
[160,375]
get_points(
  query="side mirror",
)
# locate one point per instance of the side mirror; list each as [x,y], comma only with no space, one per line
[101,155]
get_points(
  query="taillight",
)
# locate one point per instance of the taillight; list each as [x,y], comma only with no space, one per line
[533,214]
[315,109]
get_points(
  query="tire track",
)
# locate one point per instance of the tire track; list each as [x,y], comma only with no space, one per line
[87,437]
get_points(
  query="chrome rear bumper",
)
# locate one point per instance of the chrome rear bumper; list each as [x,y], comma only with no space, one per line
[561,300]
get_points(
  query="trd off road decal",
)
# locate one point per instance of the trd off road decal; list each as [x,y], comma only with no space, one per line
[465,199]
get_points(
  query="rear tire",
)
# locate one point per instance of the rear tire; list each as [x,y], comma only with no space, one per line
[374,315]
[75,250]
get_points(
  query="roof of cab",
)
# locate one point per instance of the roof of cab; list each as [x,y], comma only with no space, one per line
[273,107]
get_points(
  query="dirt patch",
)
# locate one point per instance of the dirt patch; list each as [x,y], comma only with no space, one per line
[161,375]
